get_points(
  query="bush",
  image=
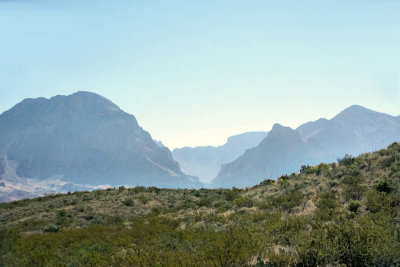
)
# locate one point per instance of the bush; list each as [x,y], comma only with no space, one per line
[231,195]
[353,188]
[128,202]
[267,182]
[347,160]
[377,201]
[143,199]
[121,188]
[244,202]
[386,185]
[205,202]
[51,228]
[354,205]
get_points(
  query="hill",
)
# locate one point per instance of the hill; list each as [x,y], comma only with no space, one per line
[205,161]
[339,214]
[79,140]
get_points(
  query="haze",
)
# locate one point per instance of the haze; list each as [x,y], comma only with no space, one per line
[195,73]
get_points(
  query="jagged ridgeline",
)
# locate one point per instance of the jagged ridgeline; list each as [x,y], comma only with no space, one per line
[339,214]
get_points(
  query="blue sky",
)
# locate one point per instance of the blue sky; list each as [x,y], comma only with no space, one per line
[196,72]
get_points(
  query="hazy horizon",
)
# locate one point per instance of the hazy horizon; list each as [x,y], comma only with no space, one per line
[196,73]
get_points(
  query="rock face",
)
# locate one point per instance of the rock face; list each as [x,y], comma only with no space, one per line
[355,130]
[205,161]
[84,138]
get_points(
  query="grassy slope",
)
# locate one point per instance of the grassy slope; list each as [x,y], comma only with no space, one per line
[346,213]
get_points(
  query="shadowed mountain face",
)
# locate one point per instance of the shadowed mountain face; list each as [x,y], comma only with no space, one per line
[205,161]
[282,151]
[84,139]
[355,130]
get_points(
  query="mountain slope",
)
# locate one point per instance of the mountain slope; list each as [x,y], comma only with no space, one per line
[205,161]
[84,139]
[281,151]
[355,130]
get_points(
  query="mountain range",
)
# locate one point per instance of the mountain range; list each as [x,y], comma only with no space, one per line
[80,141]
[205,161]
[355,130]
[84,141]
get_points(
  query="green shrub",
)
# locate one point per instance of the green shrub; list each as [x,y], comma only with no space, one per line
[51,228]
[353,187]
[231,195]
[354,205]
[347,160]
[128,202]
[143,199]
[386,185]
[121,188]
[244,202]
[204,202]
[377,201]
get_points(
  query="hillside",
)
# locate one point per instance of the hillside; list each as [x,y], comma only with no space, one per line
[354,131]
[338,214]
[205,161]
[79,140]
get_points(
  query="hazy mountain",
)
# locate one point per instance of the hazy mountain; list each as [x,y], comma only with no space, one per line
[281,151]
[84,139]
[205,161]
[355,130]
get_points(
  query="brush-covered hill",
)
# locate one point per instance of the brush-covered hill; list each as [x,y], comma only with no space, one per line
[82,139]
[339,214]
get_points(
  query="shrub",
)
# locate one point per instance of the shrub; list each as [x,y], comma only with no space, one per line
[353,189]
[267,182]
[377,201]
[52,228]
[128,202]
[231,195]
[143,199]
[386,185]
[244,202]
[347,160]
[205,202]
[354,205]
[121,188]
[62,213]
[138,189]
[155,211]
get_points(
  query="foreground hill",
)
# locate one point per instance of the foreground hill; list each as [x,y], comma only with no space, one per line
[339,214]
[82,139]
[355,130]
[205,161]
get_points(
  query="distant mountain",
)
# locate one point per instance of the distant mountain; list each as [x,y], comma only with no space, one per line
[355,130]
[282,151]
[205,161]
[84,139]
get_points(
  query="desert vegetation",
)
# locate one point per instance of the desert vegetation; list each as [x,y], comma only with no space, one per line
[340,214]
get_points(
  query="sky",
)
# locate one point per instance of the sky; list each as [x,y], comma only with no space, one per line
[196,72]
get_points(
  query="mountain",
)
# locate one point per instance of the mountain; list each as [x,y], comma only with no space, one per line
[355,130]
[84,139]
[281,151]
[205,161]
